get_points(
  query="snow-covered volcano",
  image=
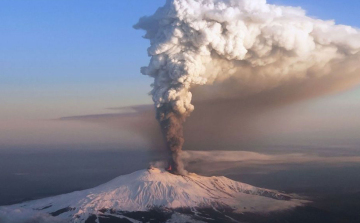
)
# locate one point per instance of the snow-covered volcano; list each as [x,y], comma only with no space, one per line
[152,195]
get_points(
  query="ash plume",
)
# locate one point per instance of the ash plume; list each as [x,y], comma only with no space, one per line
[251,45]
[172,128]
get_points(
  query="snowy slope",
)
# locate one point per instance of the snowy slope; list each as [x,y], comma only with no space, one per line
[146,190]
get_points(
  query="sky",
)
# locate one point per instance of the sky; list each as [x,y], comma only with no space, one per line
[67,58]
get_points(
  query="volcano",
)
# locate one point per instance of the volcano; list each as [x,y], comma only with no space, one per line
[153,195]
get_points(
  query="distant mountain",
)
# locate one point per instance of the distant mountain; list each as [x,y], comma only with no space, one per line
[153,195]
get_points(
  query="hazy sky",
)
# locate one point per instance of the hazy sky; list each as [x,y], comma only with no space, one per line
[65,58]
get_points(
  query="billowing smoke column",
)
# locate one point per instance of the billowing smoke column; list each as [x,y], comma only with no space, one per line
[198,42]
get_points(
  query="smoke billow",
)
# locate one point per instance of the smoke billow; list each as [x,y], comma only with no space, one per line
[255,45]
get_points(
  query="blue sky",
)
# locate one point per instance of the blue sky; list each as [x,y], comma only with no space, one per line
[65,57]
[60,53]
[71,41]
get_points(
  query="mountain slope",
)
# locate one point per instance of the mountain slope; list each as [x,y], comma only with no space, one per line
[152,194]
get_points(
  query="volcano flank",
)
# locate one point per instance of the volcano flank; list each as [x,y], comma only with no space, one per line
[154,195]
